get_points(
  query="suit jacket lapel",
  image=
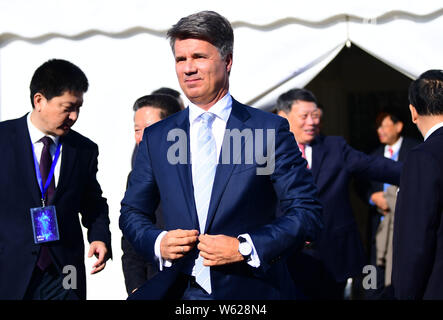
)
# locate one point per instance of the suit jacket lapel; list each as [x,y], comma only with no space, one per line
[184,170]
[25,160]
[318,155]
[224,171]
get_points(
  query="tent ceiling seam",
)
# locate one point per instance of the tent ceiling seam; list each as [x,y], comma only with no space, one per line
[387,17]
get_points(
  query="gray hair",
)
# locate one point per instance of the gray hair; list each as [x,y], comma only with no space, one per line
[205,25]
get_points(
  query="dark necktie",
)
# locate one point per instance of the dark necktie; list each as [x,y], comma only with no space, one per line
[44,259]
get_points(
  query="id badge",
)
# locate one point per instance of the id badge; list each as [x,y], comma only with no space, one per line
[44,224]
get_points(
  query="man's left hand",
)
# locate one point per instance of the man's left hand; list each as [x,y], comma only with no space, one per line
[98,248]
[219,249]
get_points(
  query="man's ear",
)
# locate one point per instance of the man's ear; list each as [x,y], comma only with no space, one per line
[39,101]
[283,114]
[414,113]
[228,61]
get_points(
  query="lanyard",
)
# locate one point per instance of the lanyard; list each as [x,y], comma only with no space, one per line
[43,189]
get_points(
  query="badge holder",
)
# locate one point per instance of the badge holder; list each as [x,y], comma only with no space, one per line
[44,224]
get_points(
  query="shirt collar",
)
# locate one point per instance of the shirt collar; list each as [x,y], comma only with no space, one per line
[433,129]
[222,109]
[36,134]
[396,146]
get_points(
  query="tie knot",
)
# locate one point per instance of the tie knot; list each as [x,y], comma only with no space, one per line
[207,118]
[46,141]
[391,152]
[302,147]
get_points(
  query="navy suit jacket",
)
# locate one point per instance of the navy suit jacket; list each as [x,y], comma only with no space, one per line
[77,191]
[339,248]
[418,226]
[241,202]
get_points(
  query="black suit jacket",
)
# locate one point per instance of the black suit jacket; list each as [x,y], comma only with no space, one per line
[418,227]
[77,191]
[338,250]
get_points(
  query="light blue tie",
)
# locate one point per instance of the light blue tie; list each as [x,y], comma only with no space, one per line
[204,164]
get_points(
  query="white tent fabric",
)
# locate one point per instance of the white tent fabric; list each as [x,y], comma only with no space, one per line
[121,47]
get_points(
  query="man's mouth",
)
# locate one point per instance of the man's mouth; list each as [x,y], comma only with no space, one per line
[192,81]
[65,127]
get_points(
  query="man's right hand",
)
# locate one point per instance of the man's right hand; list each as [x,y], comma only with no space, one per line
[176,243]
[379,199]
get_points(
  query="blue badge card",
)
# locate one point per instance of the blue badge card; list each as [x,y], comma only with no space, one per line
[44,224]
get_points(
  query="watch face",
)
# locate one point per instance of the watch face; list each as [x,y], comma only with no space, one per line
[245,249]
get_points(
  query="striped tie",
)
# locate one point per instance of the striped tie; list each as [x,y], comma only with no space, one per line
[204,164]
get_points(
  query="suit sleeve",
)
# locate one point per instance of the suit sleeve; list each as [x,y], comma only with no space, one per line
[137,218]
[95,211]
[372,167]
[301,211]
[415,225]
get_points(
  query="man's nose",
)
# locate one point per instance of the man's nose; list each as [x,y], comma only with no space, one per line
[190,67]
[73,115]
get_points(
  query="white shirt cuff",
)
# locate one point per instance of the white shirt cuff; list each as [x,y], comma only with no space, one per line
[162,262]
[255,260]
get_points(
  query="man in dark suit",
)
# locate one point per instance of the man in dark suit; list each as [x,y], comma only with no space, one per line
[222,239]
[148,110]
[418,226]
[35,183]
[324,266]
[393,146]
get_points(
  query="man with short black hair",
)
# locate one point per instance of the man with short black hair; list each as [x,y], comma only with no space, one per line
[418,226]
[48,174]
[148,109]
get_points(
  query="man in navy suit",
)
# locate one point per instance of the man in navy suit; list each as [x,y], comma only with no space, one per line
[393,146]
[219,169]
[418,226]
[324,266]
[30,145]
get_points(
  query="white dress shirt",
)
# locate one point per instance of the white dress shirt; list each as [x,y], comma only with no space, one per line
[395,150]
[36,135]
[433,129]
[222,110]
[308,154]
